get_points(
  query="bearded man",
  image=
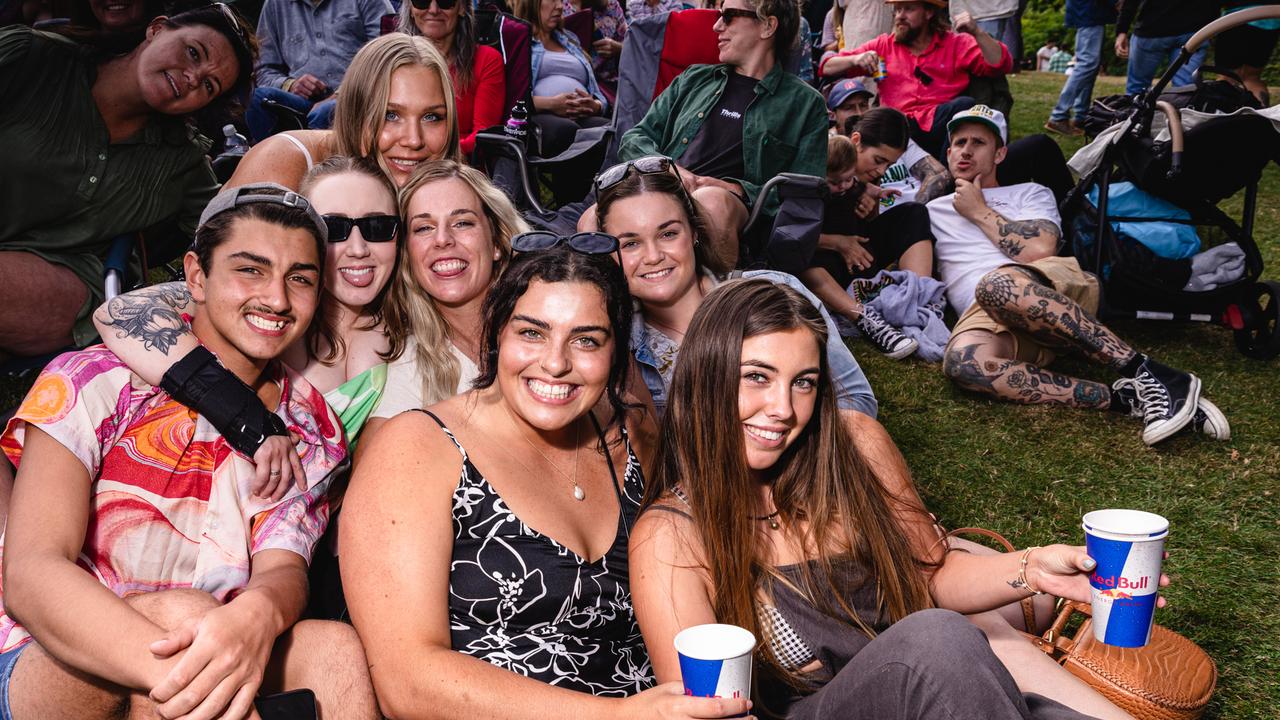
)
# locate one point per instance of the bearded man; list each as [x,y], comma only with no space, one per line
[927,66]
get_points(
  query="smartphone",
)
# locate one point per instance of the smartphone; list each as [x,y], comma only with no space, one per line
[292,705]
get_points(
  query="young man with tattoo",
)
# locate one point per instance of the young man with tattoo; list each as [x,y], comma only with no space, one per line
[1019,303]
[145,572]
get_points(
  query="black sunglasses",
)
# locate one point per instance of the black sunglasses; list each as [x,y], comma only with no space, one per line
[728,15]
[647,165]
[924,78]
[373,228]
[587,243]
[445,5]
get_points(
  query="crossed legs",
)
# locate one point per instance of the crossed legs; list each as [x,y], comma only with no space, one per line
[324,656]
[986,362]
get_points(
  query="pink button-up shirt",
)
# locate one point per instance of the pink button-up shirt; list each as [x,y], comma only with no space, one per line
[951,59]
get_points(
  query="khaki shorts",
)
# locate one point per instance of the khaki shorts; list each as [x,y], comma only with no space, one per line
[1060,273]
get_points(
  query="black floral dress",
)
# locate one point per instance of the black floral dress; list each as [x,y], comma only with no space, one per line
[522,601]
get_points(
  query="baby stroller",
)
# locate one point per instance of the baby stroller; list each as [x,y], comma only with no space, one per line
[1191,158]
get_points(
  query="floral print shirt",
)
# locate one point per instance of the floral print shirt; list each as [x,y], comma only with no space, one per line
[611,23]
[171,501]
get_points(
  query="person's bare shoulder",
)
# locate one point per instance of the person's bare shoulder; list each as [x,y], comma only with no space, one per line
[279,160]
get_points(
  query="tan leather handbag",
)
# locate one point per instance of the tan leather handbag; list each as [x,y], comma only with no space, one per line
[1170,678]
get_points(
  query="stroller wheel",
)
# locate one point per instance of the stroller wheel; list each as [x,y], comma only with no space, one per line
[1260,336]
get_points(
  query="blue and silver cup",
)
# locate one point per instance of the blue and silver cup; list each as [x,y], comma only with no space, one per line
[1128,546]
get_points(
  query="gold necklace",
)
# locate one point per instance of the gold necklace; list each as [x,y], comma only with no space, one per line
[674,333]
[578,493]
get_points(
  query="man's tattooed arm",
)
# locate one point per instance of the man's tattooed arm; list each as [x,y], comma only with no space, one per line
[934,179]
[151,316]
[1022,240]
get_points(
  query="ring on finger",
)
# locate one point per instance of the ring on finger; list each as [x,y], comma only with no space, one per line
[274,473]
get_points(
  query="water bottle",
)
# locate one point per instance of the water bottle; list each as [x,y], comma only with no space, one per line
[234,143]
[518,124]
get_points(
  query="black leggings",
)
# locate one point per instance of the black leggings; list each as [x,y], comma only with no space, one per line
[931,664]
[889,235]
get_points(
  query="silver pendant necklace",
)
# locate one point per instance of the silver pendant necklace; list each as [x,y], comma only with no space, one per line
[578,493]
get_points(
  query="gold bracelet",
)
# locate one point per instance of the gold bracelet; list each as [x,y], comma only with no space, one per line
[1022,571]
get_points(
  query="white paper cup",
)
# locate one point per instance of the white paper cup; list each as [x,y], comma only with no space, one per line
[715,660]
[1128,546]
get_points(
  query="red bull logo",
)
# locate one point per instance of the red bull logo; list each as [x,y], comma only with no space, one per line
[1115,594]
[1120,582]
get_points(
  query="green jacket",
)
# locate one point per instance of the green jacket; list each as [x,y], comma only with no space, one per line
[783,130]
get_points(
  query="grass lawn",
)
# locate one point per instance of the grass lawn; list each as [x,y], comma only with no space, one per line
[1032,472]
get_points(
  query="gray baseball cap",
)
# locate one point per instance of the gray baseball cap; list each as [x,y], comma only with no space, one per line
[261,193]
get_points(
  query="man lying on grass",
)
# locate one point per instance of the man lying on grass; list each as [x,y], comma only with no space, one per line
[145,572]
[1019,303]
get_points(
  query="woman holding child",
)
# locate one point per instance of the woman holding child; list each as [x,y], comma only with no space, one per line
[770,510]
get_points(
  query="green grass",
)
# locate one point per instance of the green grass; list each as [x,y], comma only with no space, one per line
[1031,472]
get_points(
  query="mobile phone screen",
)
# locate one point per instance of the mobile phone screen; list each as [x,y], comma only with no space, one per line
[292,705]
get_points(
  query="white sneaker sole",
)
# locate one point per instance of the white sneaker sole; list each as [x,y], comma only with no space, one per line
[1158,431]
[1215,423]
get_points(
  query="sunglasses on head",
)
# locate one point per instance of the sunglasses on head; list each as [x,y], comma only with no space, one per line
[728,15]
[586,243]
[373,228]
[647,165]
[444,5]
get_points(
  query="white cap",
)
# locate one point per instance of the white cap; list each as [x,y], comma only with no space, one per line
[990,117]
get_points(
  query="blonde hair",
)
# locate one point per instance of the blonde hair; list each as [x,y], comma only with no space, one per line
[841,154]
[531,12]
[366,88]
[410,311]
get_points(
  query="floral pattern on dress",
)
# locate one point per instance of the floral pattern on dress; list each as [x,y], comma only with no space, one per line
[522,601]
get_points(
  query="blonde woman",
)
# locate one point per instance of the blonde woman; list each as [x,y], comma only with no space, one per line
[395,106]
[458,230]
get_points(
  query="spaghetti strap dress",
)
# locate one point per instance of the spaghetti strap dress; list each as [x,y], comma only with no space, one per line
[522,601]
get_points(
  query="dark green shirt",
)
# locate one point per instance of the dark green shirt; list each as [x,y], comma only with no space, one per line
[67,189]
[783,130]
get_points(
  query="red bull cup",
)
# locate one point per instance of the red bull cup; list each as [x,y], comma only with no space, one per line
[1128,546]
[715,660]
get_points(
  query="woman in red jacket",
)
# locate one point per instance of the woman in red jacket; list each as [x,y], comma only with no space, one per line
[479,83]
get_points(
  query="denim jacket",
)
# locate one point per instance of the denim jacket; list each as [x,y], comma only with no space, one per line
[570,44]
[853,391]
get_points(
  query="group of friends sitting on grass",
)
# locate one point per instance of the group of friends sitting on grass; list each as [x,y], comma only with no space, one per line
[387,443]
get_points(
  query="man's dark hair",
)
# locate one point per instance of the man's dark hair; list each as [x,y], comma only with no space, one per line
[217,229]
[561,264]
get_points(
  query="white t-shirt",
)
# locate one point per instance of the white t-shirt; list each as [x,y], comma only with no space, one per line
[898,176]
[964,252]
[404,386]
[1042,58]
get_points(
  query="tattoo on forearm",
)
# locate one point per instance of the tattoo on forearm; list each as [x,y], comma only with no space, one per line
[1010,233]
[152,315]
[934,179]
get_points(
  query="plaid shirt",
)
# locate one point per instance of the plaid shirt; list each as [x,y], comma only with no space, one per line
[1059,61]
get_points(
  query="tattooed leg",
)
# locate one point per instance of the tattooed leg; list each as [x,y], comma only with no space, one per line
[1017,299]
[983,366]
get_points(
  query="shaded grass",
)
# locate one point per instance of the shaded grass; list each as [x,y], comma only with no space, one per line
[1032,472]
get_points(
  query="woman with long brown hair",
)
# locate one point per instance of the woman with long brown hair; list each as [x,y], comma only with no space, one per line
[770,510]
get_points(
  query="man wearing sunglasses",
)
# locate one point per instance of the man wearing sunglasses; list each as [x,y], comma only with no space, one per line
[732,126]
[304,50]
[928,67]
